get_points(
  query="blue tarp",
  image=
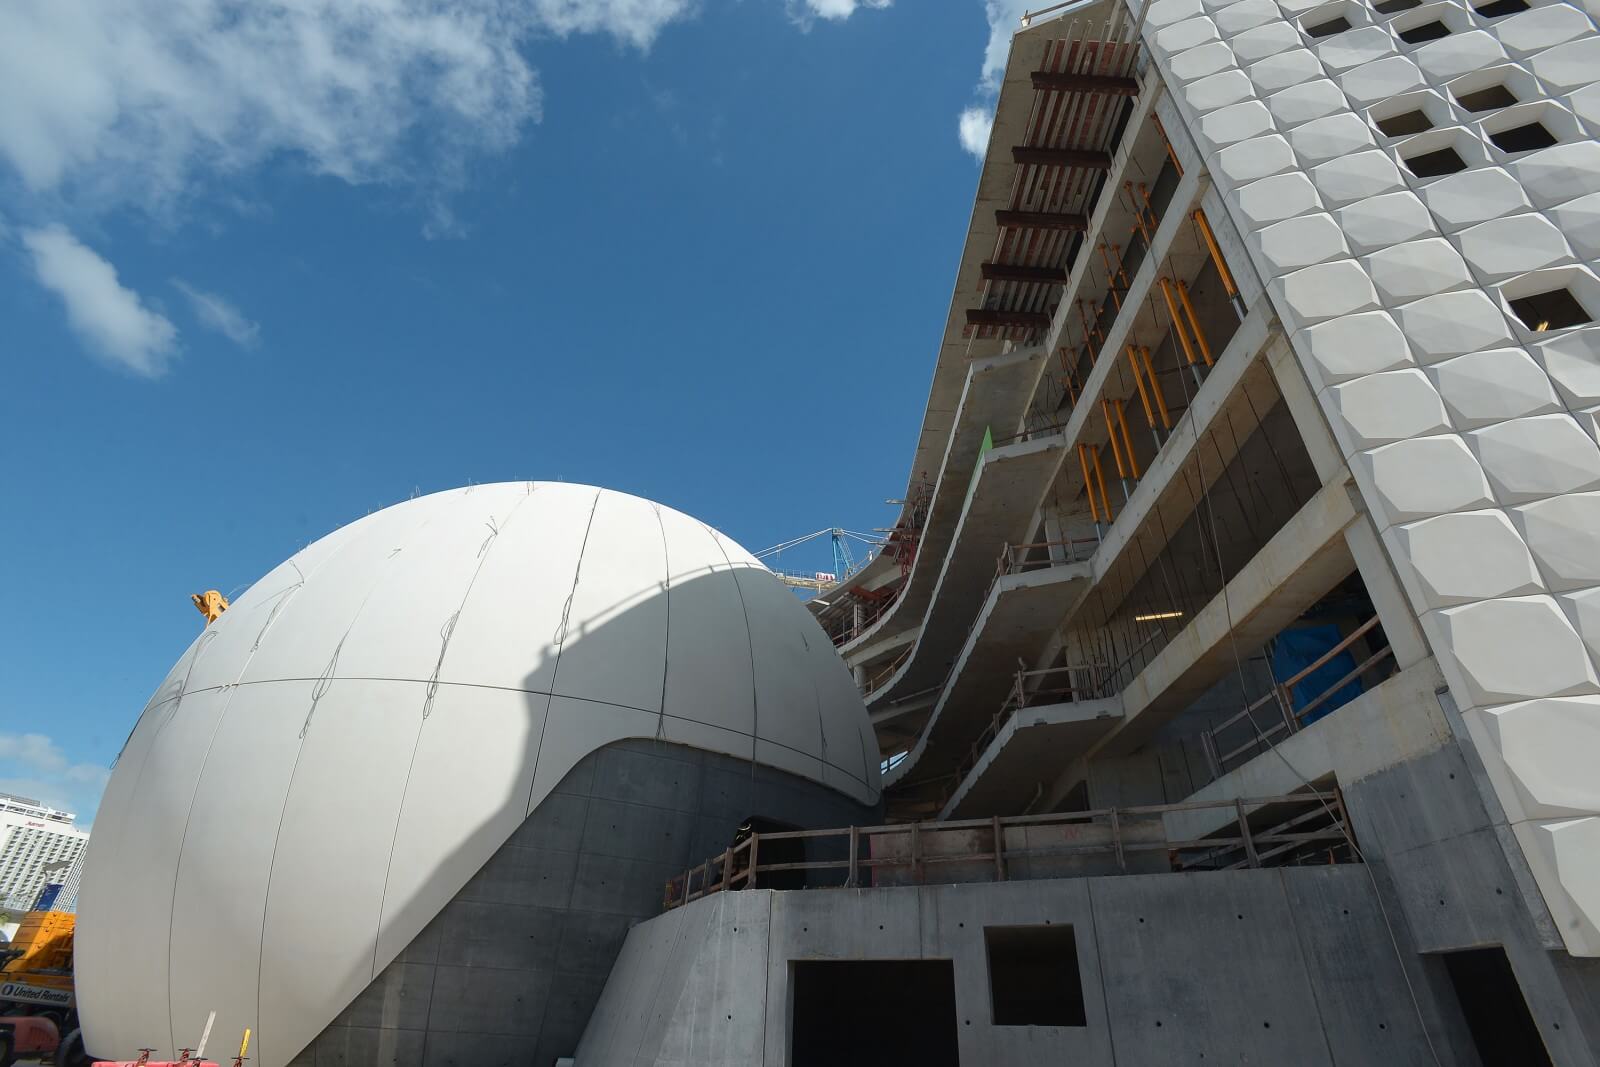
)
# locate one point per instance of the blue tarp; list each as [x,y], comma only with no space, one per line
[1302,646]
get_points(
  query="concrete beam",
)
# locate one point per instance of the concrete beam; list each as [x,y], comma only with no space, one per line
[1020,614]
[1037,320]
[1008,272]
[1077,158]
[1040,220]
[1030,748]
[1067,82]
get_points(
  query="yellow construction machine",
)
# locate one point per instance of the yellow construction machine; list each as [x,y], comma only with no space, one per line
[38,1009]
[211,604]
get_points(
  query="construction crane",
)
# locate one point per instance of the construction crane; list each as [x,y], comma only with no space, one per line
[211,604]
[844,563]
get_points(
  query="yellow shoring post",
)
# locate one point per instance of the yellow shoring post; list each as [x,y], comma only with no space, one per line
[1088,482]
[1138,381]
[1194,322]
[1177,321]
[1121,272]
[1127,439]
[1116,443]
[1216,253]
[1162,130]
[1155,387]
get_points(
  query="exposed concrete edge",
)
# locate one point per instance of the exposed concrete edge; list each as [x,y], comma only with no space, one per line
[1013,361]
[1078,711]
[991,460]
[1007,584]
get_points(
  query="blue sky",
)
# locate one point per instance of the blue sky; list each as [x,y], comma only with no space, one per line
[265,268]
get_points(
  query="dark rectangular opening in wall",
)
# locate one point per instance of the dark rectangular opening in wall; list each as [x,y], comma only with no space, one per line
[1490,99]
[1400,125]
[867,1013]
[1501,8]
[1428,31]
[1555,310]
[1337,24]
[1524,138]
[1502,1028]
[1394,7]
[1033,976]
[1432,164]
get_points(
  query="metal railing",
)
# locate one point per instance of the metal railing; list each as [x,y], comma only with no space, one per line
[1052,685]
[1285,719]
[1306,827]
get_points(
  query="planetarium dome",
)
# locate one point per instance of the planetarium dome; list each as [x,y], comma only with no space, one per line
[406,795]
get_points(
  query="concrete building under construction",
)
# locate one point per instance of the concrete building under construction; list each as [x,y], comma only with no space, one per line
[1227,691]
[1233,659]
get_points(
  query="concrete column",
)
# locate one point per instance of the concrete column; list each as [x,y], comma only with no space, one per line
[1383,587]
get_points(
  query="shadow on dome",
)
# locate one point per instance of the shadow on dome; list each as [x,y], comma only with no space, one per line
[539,824]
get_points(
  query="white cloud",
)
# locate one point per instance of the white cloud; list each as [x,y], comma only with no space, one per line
[1005,18]
[217,313]
[45,773]
[973,129]
[107,316]
[835,10]
[134,108]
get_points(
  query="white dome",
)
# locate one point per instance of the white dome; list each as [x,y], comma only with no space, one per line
[334,757]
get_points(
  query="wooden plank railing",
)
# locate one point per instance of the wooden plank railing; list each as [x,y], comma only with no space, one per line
[1300,825]
[1285,719]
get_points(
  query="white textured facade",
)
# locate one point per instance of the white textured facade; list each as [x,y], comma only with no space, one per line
[1471,433]
[38,845]
[357,735]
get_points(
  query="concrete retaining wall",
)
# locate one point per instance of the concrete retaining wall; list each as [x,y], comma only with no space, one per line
[1284,966]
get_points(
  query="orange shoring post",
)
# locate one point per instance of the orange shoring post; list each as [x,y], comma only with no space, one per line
[1111,279]
[1177,321]
[1138,215]
[1100,478]
[1162,130]
[1194,322]
[1127,438]
[1088,483]
[1155,387]
[1116,442]
[1216,253]
[1138,381]
[1155,220]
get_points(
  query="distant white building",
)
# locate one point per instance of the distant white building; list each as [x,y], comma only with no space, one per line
[38,845]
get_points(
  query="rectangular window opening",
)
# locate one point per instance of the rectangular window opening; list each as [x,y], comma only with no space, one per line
[1428,31]
[1445,160]
[1491,99]
[1337,24]
[1033,976]
[1501,8]
[841,1008]
[1400,125]
[1524,138]
[1394,7]
[1555,310]
[1503,1030]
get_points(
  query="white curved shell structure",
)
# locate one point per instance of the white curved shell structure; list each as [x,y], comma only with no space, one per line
[335,757]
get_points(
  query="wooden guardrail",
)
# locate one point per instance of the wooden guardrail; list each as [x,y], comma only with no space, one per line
[1300,827]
